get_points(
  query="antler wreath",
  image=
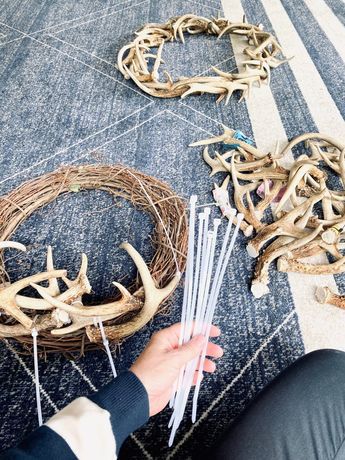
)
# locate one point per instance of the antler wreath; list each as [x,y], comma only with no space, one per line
[136,60]
[64,323]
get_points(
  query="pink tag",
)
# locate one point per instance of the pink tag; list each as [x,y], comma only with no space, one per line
[261,191]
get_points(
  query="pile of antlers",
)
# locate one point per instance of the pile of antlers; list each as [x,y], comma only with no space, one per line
[136,60]
[308,216]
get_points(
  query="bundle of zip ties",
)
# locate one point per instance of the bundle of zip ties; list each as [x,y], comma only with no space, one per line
[203,281]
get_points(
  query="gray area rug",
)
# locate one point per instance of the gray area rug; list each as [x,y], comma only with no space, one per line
[62,102]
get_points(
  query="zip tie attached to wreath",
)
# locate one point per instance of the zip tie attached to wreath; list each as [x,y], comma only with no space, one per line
[106,346]
[34,334]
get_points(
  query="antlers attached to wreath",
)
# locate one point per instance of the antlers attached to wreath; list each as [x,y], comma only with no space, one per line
[65,312]
[136,60]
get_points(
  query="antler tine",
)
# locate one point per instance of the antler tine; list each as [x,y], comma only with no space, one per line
[82,276]
[214,163]
[239,192]
[294,180]
[43,322]
[286,264]
[153,295]
[53,286]
[76,289]
[284,226]
[228,133]
[79,322]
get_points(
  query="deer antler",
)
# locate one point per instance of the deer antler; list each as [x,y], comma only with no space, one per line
[153,297]
[325,295]
[261,277]
[284,226]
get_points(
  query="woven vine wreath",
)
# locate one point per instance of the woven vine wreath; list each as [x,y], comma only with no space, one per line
[63,323]
[136,60]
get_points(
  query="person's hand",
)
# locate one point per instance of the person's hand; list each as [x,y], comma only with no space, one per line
[159,364]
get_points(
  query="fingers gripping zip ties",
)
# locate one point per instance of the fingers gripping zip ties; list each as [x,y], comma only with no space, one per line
[201,292]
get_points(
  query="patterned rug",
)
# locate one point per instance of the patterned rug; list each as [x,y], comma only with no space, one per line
[63,101]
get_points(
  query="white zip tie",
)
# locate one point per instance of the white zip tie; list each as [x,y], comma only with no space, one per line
[198,326]
[188,283]
[107,349]
[204,264]
[206,204]
[191,243]
[189,266]
[211,309]
[37,378]
[197,268]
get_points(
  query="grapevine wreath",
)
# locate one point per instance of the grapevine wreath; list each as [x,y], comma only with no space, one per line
[63,323]
[138,62]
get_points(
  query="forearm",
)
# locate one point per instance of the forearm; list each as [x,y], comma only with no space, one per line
[92,427]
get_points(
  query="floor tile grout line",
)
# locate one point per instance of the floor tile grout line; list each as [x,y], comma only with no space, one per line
[137,126]
[11,41]
[80,49]
[101,17]
[65,149]
[81,62]
[67,22]
[220,396]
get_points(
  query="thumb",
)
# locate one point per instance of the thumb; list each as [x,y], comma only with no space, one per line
[191,349]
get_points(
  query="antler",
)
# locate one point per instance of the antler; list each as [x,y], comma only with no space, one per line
[153,298]
[325,295]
